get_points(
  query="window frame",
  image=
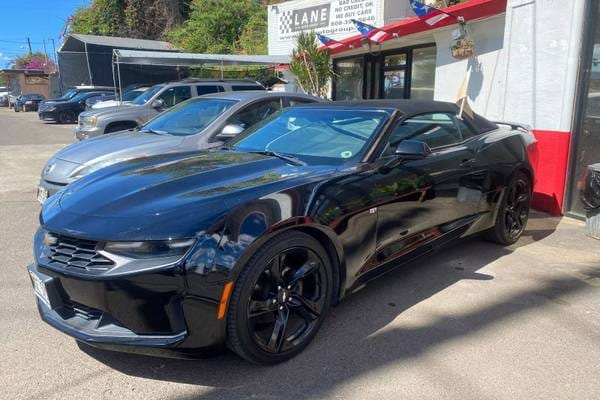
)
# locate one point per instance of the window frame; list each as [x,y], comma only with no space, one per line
[385,144]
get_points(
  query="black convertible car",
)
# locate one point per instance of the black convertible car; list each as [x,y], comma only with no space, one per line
[250,245]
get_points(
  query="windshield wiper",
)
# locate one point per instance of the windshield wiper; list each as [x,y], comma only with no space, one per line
[155,131]
[285,157]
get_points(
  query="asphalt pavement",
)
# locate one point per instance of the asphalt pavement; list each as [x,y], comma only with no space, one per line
[476,321]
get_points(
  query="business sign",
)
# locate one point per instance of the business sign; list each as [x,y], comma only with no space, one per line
[331,18]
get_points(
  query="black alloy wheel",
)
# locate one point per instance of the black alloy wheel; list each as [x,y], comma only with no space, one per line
[280,299]
[513,212]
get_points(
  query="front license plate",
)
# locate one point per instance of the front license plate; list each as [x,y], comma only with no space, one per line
[39,288]
[42,194]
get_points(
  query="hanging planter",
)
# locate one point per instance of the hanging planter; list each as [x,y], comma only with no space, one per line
[462,48]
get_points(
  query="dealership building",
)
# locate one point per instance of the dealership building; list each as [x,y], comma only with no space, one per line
[535,62]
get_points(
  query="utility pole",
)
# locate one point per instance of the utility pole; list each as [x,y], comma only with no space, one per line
[29,44]
[46,55]
[54,51]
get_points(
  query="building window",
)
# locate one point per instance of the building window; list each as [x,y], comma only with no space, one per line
[349,80]
[422,80]
[398,74]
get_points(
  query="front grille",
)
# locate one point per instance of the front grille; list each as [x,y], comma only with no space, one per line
[81,311]
[77,254]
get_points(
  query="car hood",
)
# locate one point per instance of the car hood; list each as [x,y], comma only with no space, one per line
[113,110]
[118,146]
[177,195]
[110,104]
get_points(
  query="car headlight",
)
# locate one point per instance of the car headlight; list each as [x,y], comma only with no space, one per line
[51,108]
[88,169]
[88,121]
[150,248]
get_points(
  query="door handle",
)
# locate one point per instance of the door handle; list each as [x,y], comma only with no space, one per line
[467,163]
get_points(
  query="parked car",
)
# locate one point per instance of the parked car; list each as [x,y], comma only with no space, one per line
[12,99]
[251,245]
[98,99]
[66,111]
[4,93]
[128,97]
[28,102]
[75,90]
[156,100]
[199,123]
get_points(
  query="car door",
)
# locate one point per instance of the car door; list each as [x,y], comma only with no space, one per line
[419,200]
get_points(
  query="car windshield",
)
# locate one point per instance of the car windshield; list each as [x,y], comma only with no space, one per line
[330,134]
[143,98]
[133,94]
[188,118]
[69,94]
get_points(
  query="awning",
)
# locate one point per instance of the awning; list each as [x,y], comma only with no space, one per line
[470,11]
[194,59]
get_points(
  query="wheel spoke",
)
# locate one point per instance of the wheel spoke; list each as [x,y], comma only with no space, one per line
[262,307]
[305,270]
[308,309]
[275,269]
[277,338]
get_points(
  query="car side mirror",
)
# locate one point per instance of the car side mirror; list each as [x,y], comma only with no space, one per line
[158,104]
[405,151]
[230,131]
[412,150]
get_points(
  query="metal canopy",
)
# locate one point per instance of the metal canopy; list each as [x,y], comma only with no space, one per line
[194,59]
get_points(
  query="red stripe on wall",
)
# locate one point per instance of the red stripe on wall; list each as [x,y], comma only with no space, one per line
[551,172]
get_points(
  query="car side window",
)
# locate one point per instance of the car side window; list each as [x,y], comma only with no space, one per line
[294,102]
[236,88]
[435,129]
[175,95]
[255,113]
[465,130]
[208,89]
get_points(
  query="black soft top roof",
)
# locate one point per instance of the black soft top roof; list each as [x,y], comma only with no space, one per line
[410,108]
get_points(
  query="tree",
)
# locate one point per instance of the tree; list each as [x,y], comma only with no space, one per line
[310,65]
[143,19]
[37,61]
[223,27]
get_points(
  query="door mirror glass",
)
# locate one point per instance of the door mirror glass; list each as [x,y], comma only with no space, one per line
[158,104]
[412,150]
[229,131]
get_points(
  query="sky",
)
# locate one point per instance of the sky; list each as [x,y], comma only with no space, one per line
[39,20]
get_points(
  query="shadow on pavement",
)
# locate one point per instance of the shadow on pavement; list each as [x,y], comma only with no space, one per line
[353,342]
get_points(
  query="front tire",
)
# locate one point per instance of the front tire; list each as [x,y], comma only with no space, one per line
[513,212]
[65,117]
[280,299]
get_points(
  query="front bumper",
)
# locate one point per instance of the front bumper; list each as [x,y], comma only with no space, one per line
[84,132]
[48,115]
[52,187]
[145,313]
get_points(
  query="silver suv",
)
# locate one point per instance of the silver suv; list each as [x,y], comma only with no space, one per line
[197,124]
[156,100]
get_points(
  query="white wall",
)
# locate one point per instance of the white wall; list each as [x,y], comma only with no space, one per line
[526,66]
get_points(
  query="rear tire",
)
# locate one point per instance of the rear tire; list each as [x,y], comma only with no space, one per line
[513,211]
[280,299]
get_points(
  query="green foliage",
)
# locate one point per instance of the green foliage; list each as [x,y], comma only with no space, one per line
[446,3]
[223,27]
[144,19]
[310,65]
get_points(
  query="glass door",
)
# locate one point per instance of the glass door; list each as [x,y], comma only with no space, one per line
[394,76]
[586,136]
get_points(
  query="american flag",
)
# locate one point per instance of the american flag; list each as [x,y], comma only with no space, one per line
[375,34]
[329,42]
[429,15]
